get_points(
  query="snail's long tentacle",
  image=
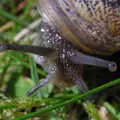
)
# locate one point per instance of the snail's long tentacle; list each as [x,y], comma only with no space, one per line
[51,68]
[80,58]
[27,48]
[41,84]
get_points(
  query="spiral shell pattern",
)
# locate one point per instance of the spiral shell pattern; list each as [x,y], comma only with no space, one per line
[92,25]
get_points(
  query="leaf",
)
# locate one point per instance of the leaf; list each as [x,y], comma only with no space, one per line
[45,91]
[22,86]
[34,73]
[75,89]
[55,118]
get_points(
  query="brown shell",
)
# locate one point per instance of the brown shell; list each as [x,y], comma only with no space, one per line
[93,25]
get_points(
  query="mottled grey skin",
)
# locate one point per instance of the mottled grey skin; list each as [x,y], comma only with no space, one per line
[59,65]
[64,64]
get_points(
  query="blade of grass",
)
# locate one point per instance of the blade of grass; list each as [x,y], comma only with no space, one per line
[12,4]
[112,110]
[10,106]
[4,71]
[34,73]
[27,9]
[12,17]
[25,64]
[91,110]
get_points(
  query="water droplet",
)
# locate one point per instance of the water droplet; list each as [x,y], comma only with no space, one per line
[42,30]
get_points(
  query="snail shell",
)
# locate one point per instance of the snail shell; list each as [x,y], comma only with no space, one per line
[92,25]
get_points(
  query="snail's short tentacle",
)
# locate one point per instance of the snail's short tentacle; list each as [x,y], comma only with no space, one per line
[80,58]
[27,48]
[41,84]
[50,67]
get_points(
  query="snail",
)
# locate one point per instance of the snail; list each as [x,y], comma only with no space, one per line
[70,31]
